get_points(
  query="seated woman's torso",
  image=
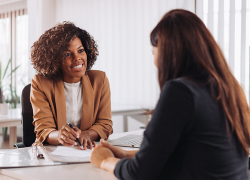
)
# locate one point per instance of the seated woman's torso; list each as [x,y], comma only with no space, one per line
[186,139]
[206,149]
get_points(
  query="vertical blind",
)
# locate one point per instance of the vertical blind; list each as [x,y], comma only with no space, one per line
[228,21]
[5,43]
[14,46]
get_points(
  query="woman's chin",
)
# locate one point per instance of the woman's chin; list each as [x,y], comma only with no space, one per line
[79,74]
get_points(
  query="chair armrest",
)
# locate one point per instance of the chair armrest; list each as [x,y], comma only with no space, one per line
[19,145]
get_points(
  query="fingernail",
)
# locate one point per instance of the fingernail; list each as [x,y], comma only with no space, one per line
[75,143]
[103,141]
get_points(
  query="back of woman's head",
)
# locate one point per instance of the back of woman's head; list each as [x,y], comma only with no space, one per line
[187,49]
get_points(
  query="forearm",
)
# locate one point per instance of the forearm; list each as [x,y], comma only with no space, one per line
[109,164]
[131,154]
[103,128]
[52,138]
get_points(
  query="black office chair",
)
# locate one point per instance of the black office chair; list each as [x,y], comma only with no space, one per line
[29,136]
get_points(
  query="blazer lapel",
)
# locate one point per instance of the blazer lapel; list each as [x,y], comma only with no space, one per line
[60,104]
[88,103]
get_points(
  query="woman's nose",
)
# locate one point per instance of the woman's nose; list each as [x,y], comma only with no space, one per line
[77,57]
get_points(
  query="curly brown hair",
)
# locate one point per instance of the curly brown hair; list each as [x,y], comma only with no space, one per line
[48,52]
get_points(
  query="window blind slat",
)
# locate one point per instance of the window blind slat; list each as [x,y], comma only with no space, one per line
[199,8]
[210,17]
[243,42]
[221,25]
[232,35]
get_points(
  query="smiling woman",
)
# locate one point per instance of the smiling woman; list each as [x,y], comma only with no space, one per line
[65,90]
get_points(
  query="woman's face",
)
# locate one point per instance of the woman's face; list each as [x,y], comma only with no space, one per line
[75,63]
[155,53]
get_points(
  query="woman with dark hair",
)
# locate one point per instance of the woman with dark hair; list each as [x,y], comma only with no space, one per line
[65,90]
[200,127]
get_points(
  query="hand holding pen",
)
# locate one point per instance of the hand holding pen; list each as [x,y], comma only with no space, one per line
[67,135]
[84,140]
[79,143]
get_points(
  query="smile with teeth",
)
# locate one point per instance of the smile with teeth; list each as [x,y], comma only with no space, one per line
[77,67]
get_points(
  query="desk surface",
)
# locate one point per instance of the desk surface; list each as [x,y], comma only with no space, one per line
[84,171]
[13,118]
[3,177]
[126,108]
[76,171]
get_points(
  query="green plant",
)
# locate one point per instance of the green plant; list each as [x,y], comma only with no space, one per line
[14,98]
[2,78]
[4,132]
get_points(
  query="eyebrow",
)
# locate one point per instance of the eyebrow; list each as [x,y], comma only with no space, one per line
[77,48]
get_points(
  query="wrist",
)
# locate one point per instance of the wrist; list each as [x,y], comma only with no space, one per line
[53,137]
[131,154]
[109,164]
[91,134]
[86,133]
[104,163]
[57,134]
[126,154]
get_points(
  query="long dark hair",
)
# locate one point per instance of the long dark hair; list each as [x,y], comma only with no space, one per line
[187,49]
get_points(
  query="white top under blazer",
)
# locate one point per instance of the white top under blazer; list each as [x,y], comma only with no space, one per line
[74,102]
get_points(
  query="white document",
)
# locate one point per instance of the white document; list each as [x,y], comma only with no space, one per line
[68,154]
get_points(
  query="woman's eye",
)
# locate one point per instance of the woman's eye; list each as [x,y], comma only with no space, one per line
[67,54]
[81,50]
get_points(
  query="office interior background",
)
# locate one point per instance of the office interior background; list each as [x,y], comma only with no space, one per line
[121,29]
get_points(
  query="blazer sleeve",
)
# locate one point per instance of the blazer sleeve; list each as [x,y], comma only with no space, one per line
[103,123]
[43,117]
[170,123]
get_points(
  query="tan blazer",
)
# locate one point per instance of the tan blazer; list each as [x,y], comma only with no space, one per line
[49,107]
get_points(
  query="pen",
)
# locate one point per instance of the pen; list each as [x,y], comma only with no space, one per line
[76,138]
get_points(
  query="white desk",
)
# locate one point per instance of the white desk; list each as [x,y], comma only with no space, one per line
[129,110]
[84,171]
[12,120]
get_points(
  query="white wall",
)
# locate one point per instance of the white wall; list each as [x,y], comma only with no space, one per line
[41,14]
[121,29]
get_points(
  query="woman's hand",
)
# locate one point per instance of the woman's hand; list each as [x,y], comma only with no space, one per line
[118,152]
[99,155]
[67,135]
[103,157]
[86,141]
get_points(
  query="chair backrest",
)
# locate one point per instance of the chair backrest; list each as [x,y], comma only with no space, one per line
[27,117]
